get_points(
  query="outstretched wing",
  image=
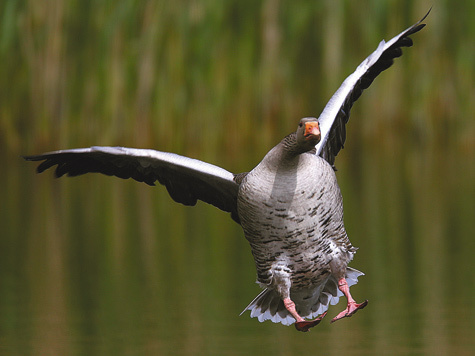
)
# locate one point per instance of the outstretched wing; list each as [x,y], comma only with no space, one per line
[336,113]
[187,180]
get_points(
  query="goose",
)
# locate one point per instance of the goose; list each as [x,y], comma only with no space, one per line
[289,206]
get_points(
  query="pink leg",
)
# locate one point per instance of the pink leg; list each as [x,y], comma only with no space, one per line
[301,324]
[352,306]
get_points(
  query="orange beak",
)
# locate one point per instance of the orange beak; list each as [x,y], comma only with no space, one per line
[312,130]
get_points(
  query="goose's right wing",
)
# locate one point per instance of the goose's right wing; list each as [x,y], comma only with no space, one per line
[186,179]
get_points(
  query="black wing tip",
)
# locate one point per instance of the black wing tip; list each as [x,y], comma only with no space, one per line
[33,158]
[43,166]
[427,14]
[416,27]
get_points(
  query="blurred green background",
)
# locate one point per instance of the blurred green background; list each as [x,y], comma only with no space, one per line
[97,266]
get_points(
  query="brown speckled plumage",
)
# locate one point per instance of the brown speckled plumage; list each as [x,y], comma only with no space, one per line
[294,222]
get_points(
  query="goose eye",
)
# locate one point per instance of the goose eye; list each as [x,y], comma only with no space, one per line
[300,124]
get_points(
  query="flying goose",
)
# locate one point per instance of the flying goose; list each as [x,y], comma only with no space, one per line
[289,206]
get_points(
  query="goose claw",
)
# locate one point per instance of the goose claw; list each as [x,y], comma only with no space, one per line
[305,325]
[350,310]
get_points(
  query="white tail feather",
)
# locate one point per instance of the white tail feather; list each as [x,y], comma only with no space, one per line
[310,303]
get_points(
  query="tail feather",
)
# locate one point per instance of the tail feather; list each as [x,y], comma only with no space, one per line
[310,303]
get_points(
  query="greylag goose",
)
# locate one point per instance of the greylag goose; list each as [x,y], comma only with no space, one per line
[289,205]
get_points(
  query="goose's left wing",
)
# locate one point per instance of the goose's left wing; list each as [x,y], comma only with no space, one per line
[336,113]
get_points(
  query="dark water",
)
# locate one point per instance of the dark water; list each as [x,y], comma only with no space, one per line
[100,266]
[94,265]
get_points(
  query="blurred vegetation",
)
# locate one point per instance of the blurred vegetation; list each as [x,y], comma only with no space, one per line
[179,74]
[223,81]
